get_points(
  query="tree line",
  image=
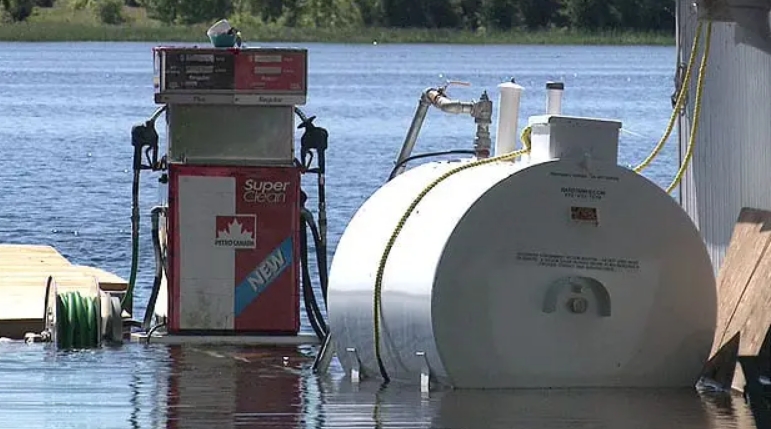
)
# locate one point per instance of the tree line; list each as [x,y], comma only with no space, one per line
[642,15]
[474,15]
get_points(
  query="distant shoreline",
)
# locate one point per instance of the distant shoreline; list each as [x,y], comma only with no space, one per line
[60,24]
[80,32]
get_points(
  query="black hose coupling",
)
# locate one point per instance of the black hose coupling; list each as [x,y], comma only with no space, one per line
[314,138]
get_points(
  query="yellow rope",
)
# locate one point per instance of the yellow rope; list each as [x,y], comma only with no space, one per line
[525,138]
[696,112]
[678,103]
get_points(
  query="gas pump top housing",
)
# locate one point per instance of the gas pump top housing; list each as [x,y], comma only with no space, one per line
[245,76]
[230,106]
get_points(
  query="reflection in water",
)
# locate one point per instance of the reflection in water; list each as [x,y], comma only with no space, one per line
[230,387]
[156,386]
[547,409]
[274,388]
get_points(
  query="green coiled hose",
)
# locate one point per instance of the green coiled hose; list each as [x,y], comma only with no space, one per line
[77,321]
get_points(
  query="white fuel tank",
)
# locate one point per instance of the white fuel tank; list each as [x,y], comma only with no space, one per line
[554,272]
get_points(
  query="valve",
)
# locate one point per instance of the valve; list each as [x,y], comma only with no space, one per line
[482,112]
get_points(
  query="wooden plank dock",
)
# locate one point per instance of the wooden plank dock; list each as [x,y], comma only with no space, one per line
[744,301]
[24,271]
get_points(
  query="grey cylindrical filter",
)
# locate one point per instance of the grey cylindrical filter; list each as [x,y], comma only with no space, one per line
[554,97]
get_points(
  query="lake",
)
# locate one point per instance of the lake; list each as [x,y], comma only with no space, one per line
[67,112]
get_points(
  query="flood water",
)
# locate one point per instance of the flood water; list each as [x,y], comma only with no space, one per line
[66,111]
[158,386]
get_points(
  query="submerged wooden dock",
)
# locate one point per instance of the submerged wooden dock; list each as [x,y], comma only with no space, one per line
[24,272]
[744,298]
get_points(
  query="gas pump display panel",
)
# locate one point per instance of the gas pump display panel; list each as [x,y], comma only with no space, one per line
[246,76]
[234,245]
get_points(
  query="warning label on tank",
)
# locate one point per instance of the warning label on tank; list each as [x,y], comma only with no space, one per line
[557,260]
[584,215]
[585,176]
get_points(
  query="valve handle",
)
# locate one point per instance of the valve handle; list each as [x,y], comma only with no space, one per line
[449,83]
[457,83]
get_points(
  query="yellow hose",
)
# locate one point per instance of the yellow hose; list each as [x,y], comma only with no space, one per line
[678,103]
[679,106]
[525,138]
[696,112]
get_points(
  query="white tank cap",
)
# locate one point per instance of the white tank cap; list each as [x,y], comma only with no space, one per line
[555,85]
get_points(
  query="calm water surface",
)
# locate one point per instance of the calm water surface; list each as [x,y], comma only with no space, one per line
[66,111]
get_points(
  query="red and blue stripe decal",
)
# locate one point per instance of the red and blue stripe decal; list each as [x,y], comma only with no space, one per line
[263,275]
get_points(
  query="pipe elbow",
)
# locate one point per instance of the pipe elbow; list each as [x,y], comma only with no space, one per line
[453,106]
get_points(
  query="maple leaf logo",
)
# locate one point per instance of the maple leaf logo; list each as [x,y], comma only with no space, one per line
[235,231]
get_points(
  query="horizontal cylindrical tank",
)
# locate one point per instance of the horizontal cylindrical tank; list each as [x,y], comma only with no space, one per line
[526,275]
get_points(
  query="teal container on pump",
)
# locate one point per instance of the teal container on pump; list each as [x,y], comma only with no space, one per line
[222,34]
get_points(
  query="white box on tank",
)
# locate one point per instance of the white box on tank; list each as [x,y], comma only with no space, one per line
[556,137]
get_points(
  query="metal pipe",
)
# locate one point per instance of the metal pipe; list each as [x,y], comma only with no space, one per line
[481,111]
[412,133]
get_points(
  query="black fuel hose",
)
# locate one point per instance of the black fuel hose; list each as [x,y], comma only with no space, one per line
[321,256]
[129,295]
[309,297]
[159,268]
[428,155]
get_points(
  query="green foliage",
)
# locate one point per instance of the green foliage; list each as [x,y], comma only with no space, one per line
[188,12]
[325,14]
[162,10]
[481,16]
[108,11]
[18,10]
[197,11]
[78,4]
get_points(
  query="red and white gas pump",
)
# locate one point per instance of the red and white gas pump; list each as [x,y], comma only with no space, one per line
[235,244]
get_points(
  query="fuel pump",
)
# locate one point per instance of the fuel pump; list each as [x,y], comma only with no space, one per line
[232,243]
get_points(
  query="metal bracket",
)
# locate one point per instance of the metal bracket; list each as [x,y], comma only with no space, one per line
[679,80]
[49,333]
[356,373]
[425,373]
[578,285]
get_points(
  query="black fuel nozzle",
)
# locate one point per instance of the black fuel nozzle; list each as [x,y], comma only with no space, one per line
[144,136]
[314,138]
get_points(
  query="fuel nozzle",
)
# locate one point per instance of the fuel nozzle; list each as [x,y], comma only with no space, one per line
[314,138]
[144,137]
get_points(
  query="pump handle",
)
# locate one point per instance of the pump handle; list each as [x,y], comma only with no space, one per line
[307,123]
